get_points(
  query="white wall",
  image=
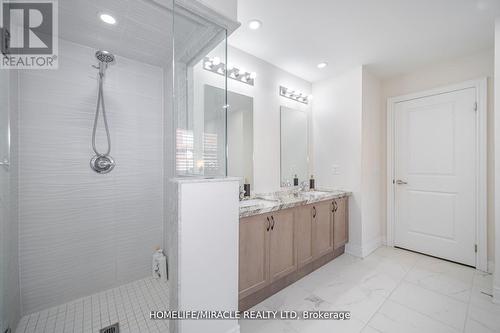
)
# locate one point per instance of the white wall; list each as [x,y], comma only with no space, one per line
[337,123]
[457,70]
[81,232]
[266,110]
[373,163]
[496,277]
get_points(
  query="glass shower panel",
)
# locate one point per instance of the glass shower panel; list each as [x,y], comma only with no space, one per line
[4,194]
[199,128]
[82,232]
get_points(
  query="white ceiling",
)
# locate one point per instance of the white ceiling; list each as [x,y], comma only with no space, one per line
[392,37]
[144,29]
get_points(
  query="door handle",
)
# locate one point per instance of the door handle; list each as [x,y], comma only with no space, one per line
[268,224]
[400,182]
[314,212]
[272,226]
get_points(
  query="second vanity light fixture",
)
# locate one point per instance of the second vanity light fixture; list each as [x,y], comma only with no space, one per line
[295,95]
[216,66]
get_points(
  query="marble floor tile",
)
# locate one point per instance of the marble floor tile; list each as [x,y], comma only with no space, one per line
[396,318]
[266,326]
[437,306]
[320,326]
[486,319]
[443,277]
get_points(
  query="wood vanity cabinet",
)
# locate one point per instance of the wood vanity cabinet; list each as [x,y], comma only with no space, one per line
[322,229]
[304,232]
[340,225]
[267,250]
[281,245]
[278,248]
[253,256]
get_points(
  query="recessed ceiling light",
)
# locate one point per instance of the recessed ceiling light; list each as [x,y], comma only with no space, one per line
[322,65]
[106,18]
[254,24]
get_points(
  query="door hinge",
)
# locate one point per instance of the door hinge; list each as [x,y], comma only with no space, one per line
[475,106]
[475,248]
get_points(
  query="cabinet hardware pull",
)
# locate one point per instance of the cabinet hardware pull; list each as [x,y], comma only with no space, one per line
[333,206]
[268,224]
[336,205]
[314,212]
[272,226]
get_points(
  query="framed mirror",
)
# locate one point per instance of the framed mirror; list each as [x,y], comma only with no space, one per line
[294,145]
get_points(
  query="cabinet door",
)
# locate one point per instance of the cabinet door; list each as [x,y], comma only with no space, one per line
[322,229]
[281,245]
[253,258]
[340,224]
[304,235]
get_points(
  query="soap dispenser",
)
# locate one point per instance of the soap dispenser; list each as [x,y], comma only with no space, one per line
[311,183]
[246,188]
[295,180]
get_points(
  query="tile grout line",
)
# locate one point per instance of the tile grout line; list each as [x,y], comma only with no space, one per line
[390,294]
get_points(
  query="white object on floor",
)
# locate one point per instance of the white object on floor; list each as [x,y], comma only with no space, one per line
[435,175]
[160,265]
[130,305]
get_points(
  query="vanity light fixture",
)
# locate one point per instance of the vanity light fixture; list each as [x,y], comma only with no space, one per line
[215,65]
[294,95]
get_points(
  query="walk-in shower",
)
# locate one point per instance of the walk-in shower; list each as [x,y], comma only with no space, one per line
[73,241]
[102,162]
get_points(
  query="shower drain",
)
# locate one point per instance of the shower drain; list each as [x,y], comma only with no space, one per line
[115,328]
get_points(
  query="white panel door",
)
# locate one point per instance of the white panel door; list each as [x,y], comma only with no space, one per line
[435,153]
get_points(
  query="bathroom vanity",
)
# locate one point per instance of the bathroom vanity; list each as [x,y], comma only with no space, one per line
[284,237]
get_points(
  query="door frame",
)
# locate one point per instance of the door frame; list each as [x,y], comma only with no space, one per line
[481,162]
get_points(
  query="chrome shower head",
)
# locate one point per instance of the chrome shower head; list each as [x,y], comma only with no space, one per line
[105,57]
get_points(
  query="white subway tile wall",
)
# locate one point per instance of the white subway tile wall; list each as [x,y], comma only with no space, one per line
[82,232]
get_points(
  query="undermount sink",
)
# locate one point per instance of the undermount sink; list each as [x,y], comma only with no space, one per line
[256,202]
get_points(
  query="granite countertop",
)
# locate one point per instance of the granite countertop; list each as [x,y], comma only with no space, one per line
[270,202]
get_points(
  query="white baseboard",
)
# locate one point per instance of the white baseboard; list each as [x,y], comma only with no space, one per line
[496,295]
[371,246]
[491,266]
[354,250]
[365,249]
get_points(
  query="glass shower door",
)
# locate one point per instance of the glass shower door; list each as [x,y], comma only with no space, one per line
[4,193]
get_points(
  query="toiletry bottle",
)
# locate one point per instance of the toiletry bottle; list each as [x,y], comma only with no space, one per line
[246,188]
[295,181]
[311,183]
[157,256]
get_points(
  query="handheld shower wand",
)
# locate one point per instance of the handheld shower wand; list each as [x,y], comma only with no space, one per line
[102,162]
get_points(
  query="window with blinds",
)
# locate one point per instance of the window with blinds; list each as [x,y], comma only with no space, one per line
[184,154]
